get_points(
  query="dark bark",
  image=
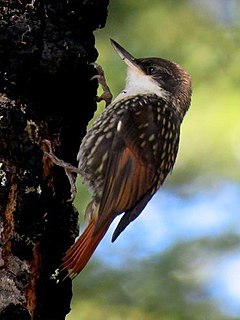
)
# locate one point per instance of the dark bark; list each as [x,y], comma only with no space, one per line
[45,93]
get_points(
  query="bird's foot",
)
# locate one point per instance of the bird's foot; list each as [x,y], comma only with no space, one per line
[106,95]
[68,168]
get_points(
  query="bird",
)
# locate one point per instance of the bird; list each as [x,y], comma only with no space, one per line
[130,149]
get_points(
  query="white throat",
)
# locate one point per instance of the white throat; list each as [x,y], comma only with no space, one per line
[139,83]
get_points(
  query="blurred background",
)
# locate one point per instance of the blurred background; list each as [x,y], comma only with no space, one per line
[181,258]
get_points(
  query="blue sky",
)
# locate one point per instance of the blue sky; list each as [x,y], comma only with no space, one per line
[169,217]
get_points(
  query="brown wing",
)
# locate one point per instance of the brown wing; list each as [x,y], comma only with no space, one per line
[130,172]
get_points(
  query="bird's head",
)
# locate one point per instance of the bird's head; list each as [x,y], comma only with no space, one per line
[157,76]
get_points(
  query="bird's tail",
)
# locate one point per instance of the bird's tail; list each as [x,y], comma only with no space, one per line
[81,251]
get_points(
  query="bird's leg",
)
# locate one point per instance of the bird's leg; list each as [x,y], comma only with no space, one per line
[106,95]
[68,168]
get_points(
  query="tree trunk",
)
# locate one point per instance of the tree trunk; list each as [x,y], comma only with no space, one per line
[45,93]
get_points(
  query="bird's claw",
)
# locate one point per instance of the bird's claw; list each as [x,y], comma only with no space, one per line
[106,95]
[68,168]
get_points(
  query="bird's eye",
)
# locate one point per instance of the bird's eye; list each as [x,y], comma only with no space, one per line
[152,70]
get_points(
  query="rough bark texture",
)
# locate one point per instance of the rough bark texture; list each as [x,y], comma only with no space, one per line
[45,93]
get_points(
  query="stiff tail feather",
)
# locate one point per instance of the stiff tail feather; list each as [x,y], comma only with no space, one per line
[81,251]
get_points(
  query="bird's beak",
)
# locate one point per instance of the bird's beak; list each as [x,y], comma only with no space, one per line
[130,61]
